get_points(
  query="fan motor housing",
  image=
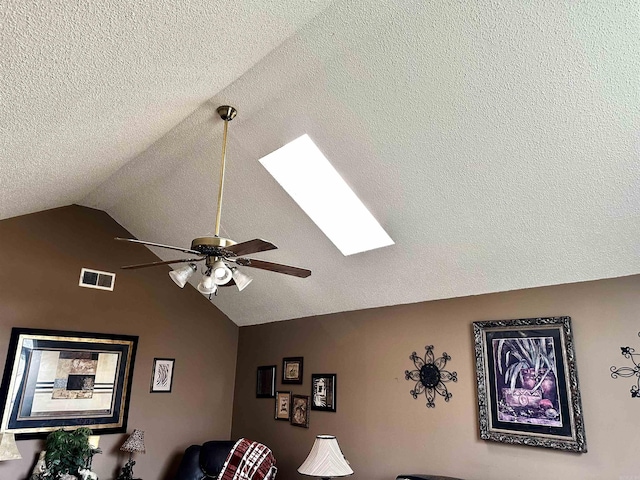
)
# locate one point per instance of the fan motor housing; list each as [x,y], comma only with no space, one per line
[213,246]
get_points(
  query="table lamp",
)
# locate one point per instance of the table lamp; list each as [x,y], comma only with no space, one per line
[325,460]
[8,447]
[135,443]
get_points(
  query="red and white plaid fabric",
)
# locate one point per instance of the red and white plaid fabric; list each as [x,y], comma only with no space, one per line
[249,460]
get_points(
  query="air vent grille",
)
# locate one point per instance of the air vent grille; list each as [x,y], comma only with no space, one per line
[97,279]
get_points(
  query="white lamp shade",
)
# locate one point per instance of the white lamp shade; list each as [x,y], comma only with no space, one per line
[241,279]
[220,273]
[207,286]
[94,441]
[181,275]
[325,459]
[8,447]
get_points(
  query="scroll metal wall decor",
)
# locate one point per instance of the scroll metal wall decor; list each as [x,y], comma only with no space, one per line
[430,376]
[629,353]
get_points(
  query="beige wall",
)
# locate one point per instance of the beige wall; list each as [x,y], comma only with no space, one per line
[383,431]
[40,260]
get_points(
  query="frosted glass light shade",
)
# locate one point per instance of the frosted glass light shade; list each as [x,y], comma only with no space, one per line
[182,275]
[8,447]
[241,279]
[325,459]
[207,286]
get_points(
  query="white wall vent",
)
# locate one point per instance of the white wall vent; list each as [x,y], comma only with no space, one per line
[97,279]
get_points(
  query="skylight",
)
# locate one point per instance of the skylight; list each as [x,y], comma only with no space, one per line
[308,177]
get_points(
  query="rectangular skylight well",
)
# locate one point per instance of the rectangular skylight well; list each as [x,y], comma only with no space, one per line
[308,177]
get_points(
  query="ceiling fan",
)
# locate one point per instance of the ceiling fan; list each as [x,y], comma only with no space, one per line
[221,256]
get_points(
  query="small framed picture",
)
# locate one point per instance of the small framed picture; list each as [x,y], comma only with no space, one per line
[162,375]
[266,382]
[323,392]
[292,370]
[283,406]
[300,411]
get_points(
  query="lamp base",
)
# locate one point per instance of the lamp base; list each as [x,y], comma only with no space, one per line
[127,471]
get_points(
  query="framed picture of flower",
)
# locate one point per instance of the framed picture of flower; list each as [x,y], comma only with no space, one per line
[528,383]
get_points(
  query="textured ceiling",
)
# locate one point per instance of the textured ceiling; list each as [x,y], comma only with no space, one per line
[498,143]
[86,86]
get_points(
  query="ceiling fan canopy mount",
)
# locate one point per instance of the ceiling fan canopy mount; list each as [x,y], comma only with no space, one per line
[227,112]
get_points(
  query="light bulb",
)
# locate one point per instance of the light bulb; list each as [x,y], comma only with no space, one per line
[221,273]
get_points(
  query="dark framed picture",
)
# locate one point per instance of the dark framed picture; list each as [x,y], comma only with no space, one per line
[162,375]
[292,370]
[323,392]
[57,379]
[528,383]
[300,411]
[266,382]
[283,406]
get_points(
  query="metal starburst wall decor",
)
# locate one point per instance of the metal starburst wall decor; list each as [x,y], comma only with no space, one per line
[430,376]
[629,353]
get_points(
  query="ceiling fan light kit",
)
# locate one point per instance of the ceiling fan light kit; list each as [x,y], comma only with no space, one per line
[221,256]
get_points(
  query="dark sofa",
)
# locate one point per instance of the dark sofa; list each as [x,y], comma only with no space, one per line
[204,461]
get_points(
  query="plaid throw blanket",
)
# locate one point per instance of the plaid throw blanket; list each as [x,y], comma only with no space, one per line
[249,460]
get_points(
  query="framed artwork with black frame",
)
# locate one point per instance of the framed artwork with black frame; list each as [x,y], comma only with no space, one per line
[162,375]
[292,370]
[300,411]
[283,406]
[266,382]
[57,379]
[323,391]
[528,383]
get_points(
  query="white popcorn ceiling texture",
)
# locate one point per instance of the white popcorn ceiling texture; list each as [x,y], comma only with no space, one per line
[497,142]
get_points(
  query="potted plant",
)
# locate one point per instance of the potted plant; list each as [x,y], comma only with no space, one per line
[67,453]
[529,360]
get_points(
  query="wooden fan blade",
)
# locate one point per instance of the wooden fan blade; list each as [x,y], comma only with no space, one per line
[251,246]
[155,264]
[273,267]
[170,247]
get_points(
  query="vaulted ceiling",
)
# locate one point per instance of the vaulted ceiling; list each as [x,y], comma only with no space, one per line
[498,143]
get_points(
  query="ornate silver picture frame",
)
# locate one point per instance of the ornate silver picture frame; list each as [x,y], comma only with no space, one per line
[528,383]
